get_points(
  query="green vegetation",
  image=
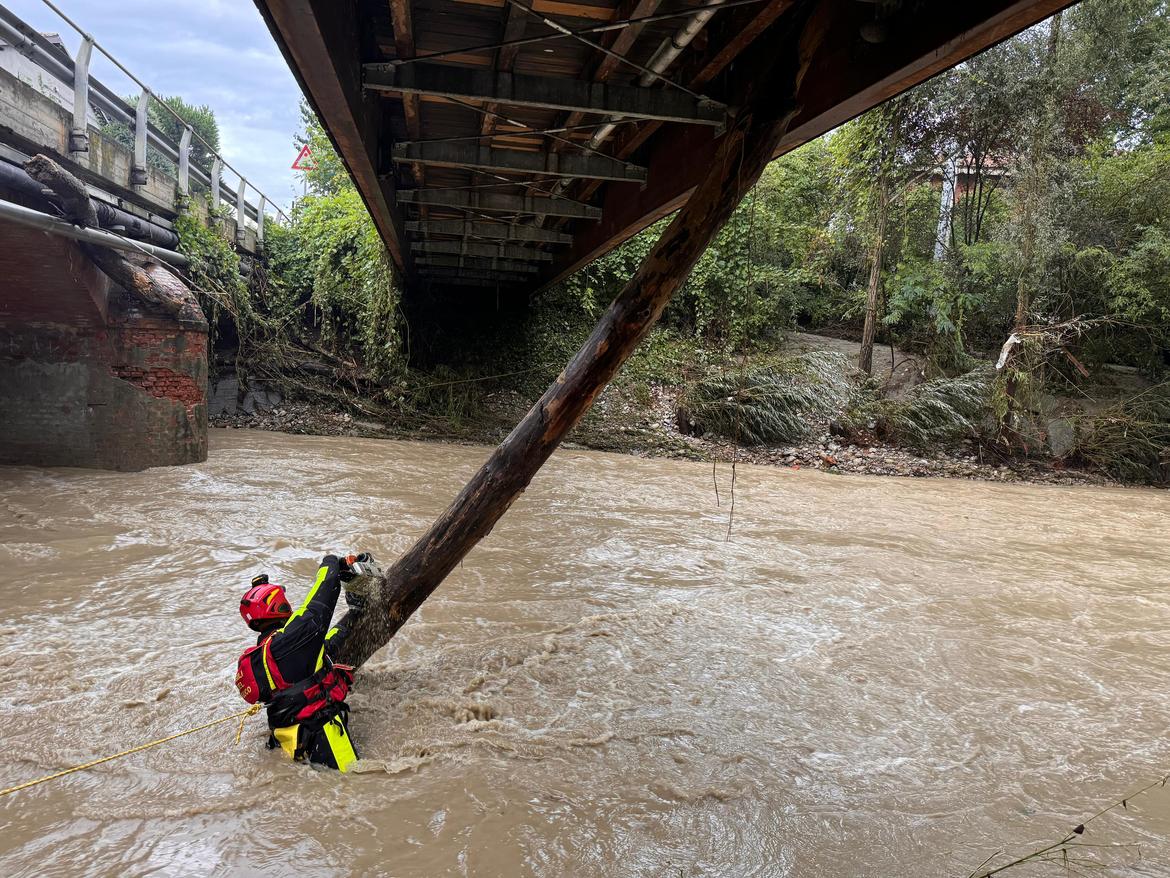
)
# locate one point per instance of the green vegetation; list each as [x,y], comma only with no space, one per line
[318,314]
[780,403]
[332,283]
[1131,439]
[940,412]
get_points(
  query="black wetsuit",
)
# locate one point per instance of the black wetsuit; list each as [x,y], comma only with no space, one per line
[308,715]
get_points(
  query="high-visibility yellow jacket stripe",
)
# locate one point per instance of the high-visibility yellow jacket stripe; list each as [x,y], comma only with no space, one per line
[321,574]
[267,672]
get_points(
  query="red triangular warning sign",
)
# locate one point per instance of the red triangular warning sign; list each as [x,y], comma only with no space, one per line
[305,160]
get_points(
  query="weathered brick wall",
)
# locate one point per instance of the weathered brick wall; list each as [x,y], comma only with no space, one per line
[126,396]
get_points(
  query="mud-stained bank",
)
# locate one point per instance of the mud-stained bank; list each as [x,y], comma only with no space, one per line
[871,677]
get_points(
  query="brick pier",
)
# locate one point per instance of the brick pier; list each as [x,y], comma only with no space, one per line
[87,377]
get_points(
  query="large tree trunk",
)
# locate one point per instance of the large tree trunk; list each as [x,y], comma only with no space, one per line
[865,358]
[148,280]
[767,108]
[1035,181]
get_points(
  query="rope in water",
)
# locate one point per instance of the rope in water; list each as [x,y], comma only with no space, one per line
[241,716]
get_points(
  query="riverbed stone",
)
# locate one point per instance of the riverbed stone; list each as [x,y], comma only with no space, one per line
[1062,436]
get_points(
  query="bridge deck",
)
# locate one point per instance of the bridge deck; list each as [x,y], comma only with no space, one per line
[454,154]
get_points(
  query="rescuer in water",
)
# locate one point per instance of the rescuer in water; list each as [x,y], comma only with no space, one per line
[291,667]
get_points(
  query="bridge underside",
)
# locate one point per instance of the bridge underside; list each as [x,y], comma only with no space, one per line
[492,159]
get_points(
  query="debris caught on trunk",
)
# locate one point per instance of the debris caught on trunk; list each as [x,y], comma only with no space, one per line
[144,278]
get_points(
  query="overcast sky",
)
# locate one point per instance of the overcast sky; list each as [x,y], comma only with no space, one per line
[214,52]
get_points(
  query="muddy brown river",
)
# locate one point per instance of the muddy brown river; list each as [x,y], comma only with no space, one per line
[882,677]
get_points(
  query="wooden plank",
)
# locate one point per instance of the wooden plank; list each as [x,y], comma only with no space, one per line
[489,251]
[515,22]
[511,265]
[554,7]
[493,202]
[403,25]
[488,274]
[620,42]
[741,37]
[481,283]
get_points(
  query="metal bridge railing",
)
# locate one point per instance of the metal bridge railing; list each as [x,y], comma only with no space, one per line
[88,92]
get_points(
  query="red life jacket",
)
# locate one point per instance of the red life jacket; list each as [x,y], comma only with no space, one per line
[257,676]
[259,679]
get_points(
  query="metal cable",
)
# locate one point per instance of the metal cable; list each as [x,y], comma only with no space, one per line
[511,121]
[588,126]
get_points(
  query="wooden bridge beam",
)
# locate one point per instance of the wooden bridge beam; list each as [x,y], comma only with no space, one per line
[484,229]
[507,265]
[544,92]
[400,19]
[500,203]
[473,274]
[469,155]
[514,24]
[489,251]
[479,283]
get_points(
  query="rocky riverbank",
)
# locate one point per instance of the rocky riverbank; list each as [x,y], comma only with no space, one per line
[647,428]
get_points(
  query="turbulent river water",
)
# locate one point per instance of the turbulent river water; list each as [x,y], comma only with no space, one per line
[871,677]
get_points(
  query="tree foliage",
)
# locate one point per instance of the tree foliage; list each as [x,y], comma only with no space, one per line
[200,117]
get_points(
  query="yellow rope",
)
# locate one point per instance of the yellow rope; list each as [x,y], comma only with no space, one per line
[241,716]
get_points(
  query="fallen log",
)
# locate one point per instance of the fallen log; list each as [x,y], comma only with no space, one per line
[148,281]
[767,106]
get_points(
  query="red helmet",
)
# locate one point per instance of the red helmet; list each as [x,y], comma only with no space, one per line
[264,603]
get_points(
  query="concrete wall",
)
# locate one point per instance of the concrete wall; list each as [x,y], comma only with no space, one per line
[33,122]
[122,390]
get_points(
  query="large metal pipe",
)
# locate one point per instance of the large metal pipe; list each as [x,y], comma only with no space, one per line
[117,220]
[34,219]
[109,217]
[669,49]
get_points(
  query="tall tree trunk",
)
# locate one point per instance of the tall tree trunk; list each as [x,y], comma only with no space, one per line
[891,141]
[1035,181]
[768,106]
[865,359]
